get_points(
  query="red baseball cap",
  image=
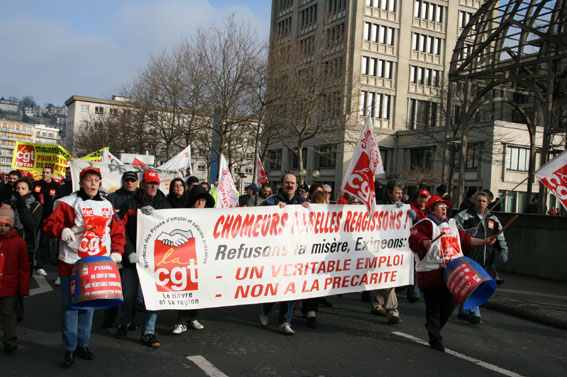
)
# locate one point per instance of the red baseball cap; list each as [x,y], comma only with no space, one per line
[150,176]
[435,199]
[90,170]
[424,192]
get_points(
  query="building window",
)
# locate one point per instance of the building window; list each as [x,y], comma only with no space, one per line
[112,111]
[377,67]
[248,171]
[464,18]
[336,35]
[294,158]
[84,108]
[375,104]
[517,158]
[275,159]
[335,6]
[425,76]
[308,17]
[283,28]
[379,33]
[389,5]
[422,114]
[201,167]
[327,156]
[99,110]
[428,11]
[426,43]
[421,158]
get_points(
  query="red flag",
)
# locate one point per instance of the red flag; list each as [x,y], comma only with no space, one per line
[554,176]
[364,165]
[137,162]
[260,172]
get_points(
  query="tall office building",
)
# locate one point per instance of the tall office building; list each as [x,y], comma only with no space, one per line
[396,54]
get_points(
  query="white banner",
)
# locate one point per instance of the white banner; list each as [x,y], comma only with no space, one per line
[109,158]
[112,174]
[261,176]
[204,258]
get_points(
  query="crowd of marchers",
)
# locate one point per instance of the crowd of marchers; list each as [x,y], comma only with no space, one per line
[43,222]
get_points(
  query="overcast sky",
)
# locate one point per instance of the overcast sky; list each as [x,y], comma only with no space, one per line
[53,49]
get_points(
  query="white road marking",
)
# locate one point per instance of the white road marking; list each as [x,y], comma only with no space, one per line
[480,363]
[206,366]
[43,286]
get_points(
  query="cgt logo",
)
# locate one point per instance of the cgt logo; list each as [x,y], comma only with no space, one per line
[175,265]
[25,155]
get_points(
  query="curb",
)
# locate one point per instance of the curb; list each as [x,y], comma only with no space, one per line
[532,312]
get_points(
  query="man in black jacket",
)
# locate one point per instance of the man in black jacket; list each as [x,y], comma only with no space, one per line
[147,198]
[44,192]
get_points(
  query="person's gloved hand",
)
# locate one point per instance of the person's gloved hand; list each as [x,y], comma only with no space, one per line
[398,204]
[67,235]
[147,210]
[504,256]
[116,257]
[133,258]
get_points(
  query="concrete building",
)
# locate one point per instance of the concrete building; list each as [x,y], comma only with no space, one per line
[12,132]
[397,55]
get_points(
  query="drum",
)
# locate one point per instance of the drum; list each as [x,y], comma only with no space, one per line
[468,282]
[95,284]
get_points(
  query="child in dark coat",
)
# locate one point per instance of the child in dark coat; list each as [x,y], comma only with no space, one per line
[14,275]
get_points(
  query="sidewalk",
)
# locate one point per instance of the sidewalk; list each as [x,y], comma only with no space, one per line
[531,298]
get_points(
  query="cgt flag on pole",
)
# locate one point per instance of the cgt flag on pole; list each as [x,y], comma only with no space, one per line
[227,196]
[181,161]
[261,176]
[364,165]
[554,176]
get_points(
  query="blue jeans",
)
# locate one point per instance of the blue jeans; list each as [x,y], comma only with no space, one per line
[286,311]
[75,324]
[130,287]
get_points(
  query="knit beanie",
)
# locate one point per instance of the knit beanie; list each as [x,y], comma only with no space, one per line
[6,215]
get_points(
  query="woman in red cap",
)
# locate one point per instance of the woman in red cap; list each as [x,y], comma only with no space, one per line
[436,241]
[84,222]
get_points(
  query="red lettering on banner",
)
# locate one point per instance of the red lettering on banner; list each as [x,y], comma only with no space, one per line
[234,226]
[249,272]
[557,183]
[257,290]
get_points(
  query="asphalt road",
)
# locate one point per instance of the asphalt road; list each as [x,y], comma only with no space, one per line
[348,341]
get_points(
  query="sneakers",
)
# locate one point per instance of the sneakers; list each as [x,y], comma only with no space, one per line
[122,331]
[195,325]
[475,320]
[84,353]
[150,340]
[40,272]
[263,318]
[57,281]
[285,328]
[381,312]
[394,320]
[179,329]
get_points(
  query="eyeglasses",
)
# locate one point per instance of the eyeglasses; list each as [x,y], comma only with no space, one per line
[327,192]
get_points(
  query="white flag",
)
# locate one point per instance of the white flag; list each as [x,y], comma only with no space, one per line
[109,158]
[180,161]
[364,165]
[227,196]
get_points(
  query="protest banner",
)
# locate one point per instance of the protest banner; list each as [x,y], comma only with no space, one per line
[204,258]
[181,161]
[112,174]
[95,156]
[364,165]
[554,176]
[109,158]
[33,158]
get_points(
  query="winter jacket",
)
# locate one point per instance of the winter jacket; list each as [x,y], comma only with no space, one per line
[471,223]
[279,197]
[27,220]
[14,266]
[97,233]
[119,197]
[45,194]
[422,231]
[420,214]
[129,215]
[64,190]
